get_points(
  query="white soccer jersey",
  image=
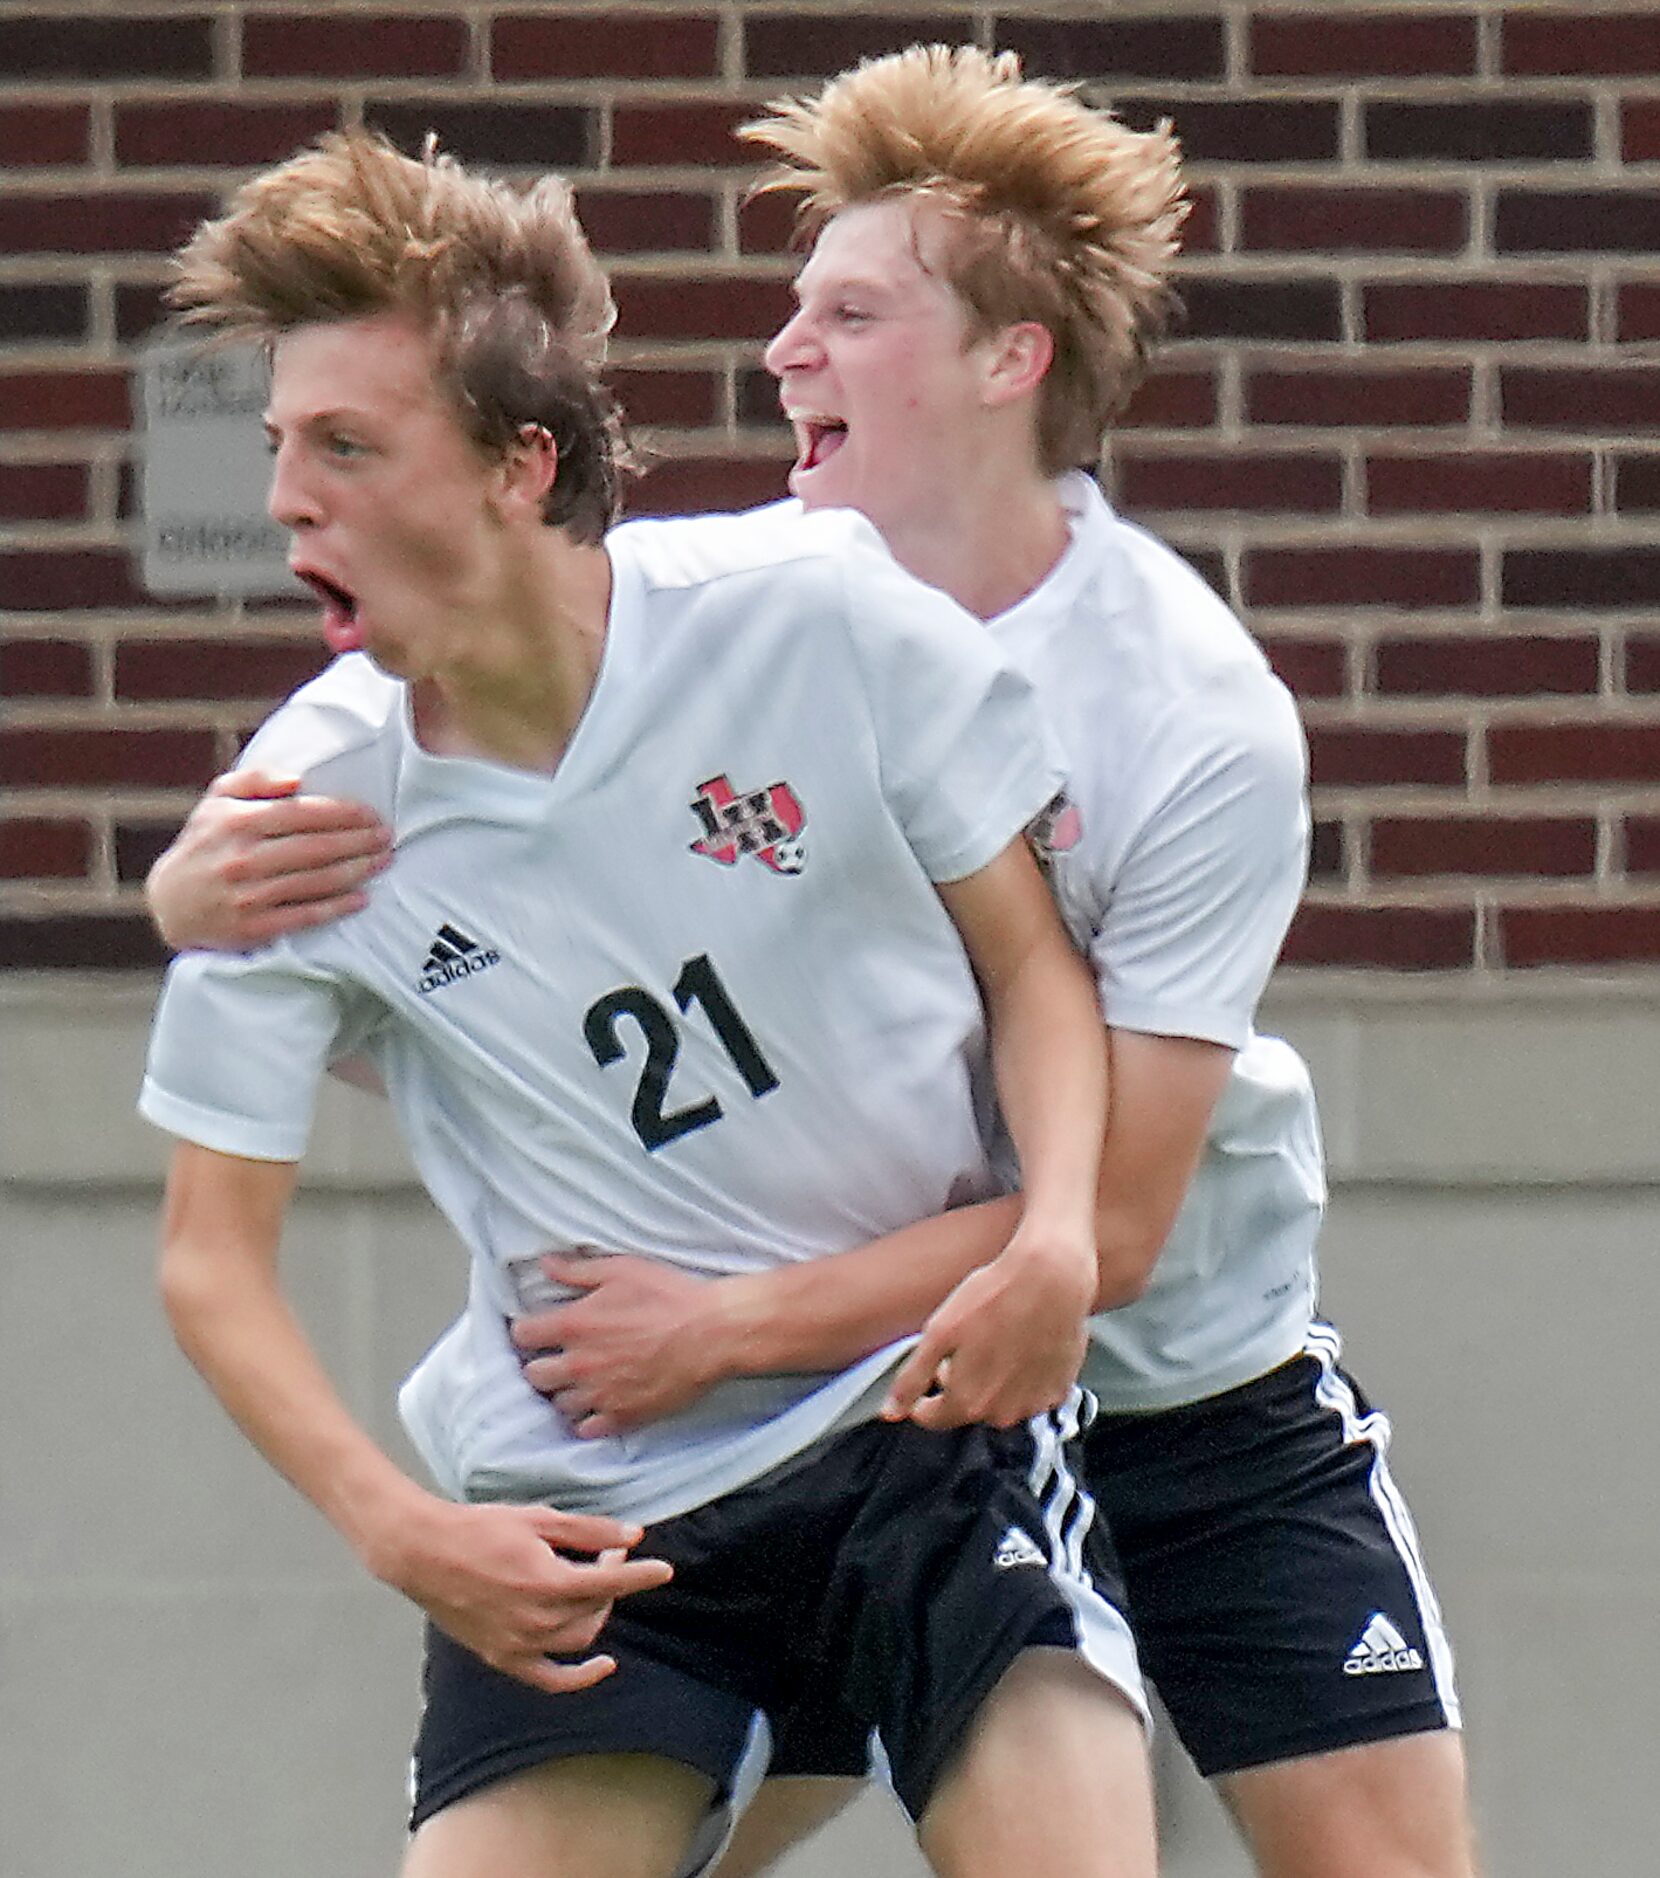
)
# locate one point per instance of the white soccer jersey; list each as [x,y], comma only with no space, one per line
[691,995]
[1187,765]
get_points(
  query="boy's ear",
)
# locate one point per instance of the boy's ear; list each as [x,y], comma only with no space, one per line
[528,467]
[1018,357]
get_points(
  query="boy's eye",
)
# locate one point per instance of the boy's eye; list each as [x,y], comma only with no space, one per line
[339,445]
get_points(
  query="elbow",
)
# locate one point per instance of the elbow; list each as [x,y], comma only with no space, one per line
[1126,1252]
[185,1284]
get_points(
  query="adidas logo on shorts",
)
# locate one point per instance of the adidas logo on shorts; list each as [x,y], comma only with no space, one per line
[1379,1648]
[1017,1548]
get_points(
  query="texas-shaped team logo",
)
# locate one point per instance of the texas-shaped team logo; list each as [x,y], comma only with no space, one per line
[1056,829]
[764,822]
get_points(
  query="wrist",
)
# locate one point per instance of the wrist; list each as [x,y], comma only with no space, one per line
[158,899]
[1060,1245]
[733,1329]
[379,1516]
[1056,1229]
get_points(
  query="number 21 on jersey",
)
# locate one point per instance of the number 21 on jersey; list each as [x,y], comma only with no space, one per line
[698,985]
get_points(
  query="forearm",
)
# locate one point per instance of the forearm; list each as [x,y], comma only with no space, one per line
[1164,1090]
[823,1314]
[242,1337]
[1050,1057]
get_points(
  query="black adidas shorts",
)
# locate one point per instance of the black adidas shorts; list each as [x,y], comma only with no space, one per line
[889,1577]
[1277,1593]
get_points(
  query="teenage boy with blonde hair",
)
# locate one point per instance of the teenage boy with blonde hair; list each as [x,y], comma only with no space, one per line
[652,970]
[987,275]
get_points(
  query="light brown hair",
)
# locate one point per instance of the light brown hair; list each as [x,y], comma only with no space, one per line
[501,278]
[1056,212]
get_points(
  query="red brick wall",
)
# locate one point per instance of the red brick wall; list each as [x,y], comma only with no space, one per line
[1410,427]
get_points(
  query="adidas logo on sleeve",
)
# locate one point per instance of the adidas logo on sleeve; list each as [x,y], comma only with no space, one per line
[454,955]
[1380,1648]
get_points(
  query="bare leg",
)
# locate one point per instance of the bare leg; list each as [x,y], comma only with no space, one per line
[593,1816]
[783,1813]
[1390,1809]
[1053,1778]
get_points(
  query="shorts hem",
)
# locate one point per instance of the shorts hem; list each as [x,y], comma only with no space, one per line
[916,1785]
[463,1782]
[1427,1718]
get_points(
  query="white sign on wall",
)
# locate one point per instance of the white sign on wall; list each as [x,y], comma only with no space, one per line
[205,471]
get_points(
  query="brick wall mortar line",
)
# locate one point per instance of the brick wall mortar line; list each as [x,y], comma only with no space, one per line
[729,43]
[1230,397]
[1353,499]
[100,156]
[148,804]
[1407,714]
[32,447]
[1605,119]
[1444,530]
[1602,482]
[1351,313]
[728,199]
[102,870]
[1351,138]
[1229,219]
[70,897]
[1603,312]
[672,442]
[1236,28]
[1500,891]
[226,40]
[1357,852]
[103,489]
[133,715]
[1489,51]
[1505,802]
[75,270]
[1491,575]
[1480,246]
[749,267]
[1403,269]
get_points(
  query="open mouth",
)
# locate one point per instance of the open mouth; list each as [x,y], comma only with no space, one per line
[340,627]
[819,438]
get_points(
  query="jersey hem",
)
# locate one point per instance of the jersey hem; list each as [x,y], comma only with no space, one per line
[1184,1392]
[649,1500]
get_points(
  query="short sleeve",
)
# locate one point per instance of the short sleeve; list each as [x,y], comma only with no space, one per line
[966,756]
[1199,907]
[239,1046]
[329,732]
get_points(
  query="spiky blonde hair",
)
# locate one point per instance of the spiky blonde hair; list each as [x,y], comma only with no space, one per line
[1056,212]
[501,278]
